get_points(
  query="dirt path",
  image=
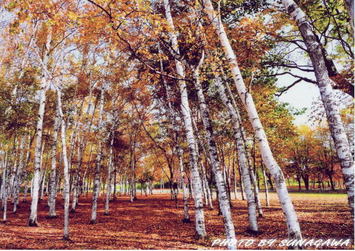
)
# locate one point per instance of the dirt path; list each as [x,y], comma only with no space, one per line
[155,223]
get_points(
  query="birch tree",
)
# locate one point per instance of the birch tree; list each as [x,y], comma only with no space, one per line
[242,155]
[314,49]
[53,174]
[185,109]
[96,190]
[66,194]
[33,221]
[109,178]
[294,230]
[216,165]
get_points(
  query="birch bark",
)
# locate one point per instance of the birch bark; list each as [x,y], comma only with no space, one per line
[18,177]
[53,175]
[178,150]
[242,156]
[66,191]
[185,109]
[216,165]
[4,189]
[98,164]
[109,179]
[37,165]
[39,131]
[326,91]
[294,230]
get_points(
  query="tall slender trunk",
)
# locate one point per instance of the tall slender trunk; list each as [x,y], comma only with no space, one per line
[109,179]
[185,109]
[28,155]
[223,199]
[178,150]
[114,196]
[77,177]
[53,175]
[234,178]
[184,181]
[4,189]
[37,157]
[241,183]
[18,177]
[96,189]
[66,192]
[43,183]
[207,187]
[324,82]
[242,156]
[39,130]
[256,192]
[294,230]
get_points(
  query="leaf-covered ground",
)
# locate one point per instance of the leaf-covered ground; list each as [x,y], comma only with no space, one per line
[154,222]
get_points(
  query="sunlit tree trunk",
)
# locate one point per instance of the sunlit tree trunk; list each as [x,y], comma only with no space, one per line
[18,177]
[37,158]
[77,177]
[184,180]
[53,175]
[109,179]
[43,183]
[294,230]
[242,155]
[28,156]
[75,191]
[205,183]
[96,190]
[241,184]
[66,191]
[4,188]
[216,165]
[185,109]
[178,150]
[39,131]
[324,82]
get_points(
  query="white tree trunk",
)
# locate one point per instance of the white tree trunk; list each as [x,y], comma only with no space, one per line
[39,131]
[76,178]
[18,177]
[96,190]
[109,179]
[216,165]
[53,174]
[66,194]
[43,183]
[185,109]
[242,156]
[294,230]
[37,156]
[326,91]
[4,189]
[184,181]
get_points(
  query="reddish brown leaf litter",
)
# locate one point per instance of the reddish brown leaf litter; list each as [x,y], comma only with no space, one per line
[155,223]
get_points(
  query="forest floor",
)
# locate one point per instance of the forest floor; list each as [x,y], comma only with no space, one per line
[154,222]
